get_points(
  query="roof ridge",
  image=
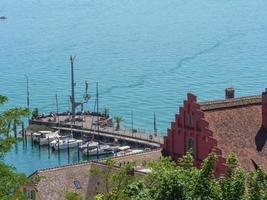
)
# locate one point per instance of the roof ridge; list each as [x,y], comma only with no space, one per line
[230,103]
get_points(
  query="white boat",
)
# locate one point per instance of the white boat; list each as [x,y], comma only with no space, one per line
[101,150]
[44,137]
[90,145]
[124,148]
[65,143]
[129,152]
[36,135]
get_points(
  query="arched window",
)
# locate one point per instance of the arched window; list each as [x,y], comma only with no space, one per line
[191,146]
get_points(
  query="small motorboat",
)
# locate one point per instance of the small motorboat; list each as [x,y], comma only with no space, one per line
[39,134]
[65,143]
[90,145]
[45,137]
[3,17]
[129,152]
[100,150]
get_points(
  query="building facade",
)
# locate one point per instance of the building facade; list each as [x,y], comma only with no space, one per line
[231,125]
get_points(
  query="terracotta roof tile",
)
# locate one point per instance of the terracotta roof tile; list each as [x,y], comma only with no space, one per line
[235,124]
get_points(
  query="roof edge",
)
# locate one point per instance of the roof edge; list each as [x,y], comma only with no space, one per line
[230,103]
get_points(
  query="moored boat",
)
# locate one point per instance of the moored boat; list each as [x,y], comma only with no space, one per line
[100,150]
[65,143]
[129,152]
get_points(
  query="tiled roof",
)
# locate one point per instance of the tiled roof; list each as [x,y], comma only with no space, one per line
[230,103]
[235,124]
[56,181]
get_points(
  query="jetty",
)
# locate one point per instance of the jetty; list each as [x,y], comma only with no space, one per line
[86,124]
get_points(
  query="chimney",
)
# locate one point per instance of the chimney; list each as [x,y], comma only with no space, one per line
[264,109]
[229,93]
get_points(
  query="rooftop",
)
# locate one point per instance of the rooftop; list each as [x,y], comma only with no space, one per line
[235,124]
[54,182]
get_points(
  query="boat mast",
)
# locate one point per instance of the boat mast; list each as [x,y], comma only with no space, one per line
[155,125]
[97,111]
[72,98]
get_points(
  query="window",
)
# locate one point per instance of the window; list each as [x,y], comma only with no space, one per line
[190,119]
[30,194]
[191,146]
[77,184]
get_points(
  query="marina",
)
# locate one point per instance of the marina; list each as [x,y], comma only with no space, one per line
[144,64]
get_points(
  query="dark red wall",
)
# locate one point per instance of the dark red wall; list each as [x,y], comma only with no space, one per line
[190,124]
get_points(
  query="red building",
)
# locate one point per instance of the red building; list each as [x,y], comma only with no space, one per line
[231,125]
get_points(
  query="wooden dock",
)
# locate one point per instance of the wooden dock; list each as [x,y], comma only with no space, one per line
[88,127]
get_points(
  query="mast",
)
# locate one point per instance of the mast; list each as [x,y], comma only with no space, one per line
[28,97]
[132,121]
[57,103]
[57,107]
[155,125]
[97,111]
[72,90]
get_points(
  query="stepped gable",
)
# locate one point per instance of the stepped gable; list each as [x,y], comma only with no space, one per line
[237,126]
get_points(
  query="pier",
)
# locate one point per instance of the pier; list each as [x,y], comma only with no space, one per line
[86,124]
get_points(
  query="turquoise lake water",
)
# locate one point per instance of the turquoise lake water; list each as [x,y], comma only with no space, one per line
[145,54]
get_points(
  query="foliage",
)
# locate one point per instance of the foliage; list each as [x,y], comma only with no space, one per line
[115,181]
[257,185]
[9,178]
[118,121]
[73,196]
[182,181]
[106,111]
[35,113]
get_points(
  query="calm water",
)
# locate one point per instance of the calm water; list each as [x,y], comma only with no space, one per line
[146,54]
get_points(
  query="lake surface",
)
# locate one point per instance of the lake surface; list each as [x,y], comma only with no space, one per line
[146,55]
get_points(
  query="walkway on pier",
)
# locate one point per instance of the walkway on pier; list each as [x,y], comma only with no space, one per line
[142,139]
[87,125]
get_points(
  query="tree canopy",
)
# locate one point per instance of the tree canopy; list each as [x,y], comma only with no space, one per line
[179,180]
[9,178]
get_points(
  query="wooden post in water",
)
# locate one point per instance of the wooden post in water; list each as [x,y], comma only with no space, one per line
[58,146]
[68,151]
[78,145]
[22,130]
[39,143]
[87,151]
[48,146]
[97,153]
[32,139]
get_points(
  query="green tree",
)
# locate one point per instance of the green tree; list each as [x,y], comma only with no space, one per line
[106,111]
[257,185]
[13,116]
[118,121]
[233,183]
[9,178]
[115,180]
[73,196]
[35,113]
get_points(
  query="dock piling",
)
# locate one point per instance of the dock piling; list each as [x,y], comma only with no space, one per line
[78,145]
[68,151]
[48,146]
